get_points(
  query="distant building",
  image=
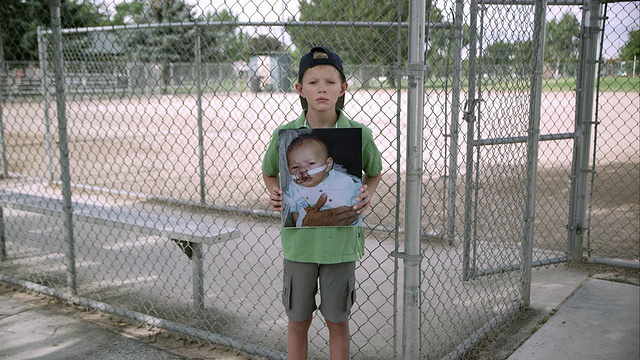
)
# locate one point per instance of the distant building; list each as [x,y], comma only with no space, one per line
[270,72]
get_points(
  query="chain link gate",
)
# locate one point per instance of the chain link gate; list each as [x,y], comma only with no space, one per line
[172,130]
[615,159]
[476,268]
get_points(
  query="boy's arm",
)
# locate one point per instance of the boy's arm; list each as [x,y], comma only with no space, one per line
[275,193]
[369,186]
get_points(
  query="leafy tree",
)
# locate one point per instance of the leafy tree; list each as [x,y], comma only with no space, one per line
[127,11]
[221,43]
[523,53]
[499,53]
[562,42]
[177,44]
[264,44]
[355,45]
[20,20]
[163,44]
[630,51]
[366,45]
[503,58]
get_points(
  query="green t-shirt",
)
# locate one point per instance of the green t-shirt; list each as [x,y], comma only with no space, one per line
[324,244]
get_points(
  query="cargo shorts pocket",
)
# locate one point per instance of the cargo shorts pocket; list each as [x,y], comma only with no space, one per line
[287,281]
[350,294]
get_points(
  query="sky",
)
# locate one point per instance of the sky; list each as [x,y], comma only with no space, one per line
[255,10]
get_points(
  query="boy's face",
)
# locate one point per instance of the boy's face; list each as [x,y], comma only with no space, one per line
[321,86]
[304,159]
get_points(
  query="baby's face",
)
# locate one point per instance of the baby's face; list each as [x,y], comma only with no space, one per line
[305,163]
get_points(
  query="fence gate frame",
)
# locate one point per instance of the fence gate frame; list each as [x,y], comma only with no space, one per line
[472,113]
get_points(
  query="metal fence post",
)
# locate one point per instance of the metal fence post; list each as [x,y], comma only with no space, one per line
[4,71]
[58,69]
[411,333]
[532,148]
[583,124]
[43,44]
[470,118]
[198,65]
[452,178]
[4,75]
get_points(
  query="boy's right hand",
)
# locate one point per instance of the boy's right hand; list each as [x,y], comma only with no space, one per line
[275,199]
[340,216]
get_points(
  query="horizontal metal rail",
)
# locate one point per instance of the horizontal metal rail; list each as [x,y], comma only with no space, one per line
[521,139]
[335,24]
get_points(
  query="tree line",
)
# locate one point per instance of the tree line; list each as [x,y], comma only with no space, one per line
[224,41]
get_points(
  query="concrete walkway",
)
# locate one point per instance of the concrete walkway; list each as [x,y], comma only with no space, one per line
[600,320]
[30,332]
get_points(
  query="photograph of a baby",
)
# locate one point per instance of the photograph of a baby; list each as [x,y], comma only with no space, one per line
[318,162]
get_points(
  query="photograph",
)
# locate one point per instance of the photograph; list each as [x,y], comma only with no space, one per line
[319,161]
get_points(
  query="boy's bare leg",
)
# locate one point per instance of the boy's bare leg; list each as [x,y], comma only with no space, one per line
[339,340]
[297,339]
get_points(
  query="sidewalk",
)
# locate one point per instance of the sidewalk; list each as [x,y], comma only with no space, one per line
[600,321]
[30,332]
[596,319]
[37,326]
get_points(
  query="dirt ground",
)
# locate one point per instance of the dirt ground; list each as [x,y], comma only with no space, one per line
[500,344]
[553,185]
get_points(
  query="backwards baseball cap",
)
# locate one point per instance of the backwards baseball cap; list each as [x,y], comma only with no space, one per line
[308,61]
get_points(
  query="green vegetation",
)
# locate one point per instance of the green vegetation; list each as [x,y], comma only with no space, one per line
[607,84]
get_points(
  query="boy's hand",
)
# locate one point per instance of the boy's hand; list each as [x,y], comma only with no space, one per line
[340,216]
[364,199]
[275,199]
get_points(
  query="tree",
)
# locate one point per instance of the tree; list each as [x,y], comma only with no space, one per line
[221,43]
[630,51]
[164,44]
[562,42]
[371,45]
[264,44]
[498,58]
[127,11]
[176,43]
[21,19]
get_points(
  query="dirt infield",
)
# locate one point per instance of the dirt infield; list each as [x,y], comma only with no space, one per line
[150,145]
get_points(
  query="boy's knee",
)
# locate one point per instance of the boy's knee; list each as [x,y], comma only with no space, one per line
[338,326]
[300,326]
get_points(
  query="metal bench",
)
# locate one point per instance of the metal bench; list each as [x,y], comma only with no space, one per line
[189,235]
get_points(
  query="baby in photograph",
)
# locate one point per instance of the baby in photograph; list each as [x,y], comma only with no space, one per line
[313,173]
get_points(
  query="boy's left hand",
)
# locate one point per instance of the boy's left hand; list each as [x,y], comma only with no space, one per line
[364,200]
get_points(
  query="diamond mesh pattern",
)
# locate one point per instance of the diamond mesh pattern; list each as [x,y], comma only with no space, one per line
[169,110]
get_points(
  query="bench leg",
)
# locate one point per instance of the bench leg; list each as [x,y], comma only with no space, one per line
[3,249]
[198,277]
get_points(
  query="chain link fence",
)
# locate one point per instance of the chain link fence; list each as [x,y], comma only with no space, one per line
[131,177]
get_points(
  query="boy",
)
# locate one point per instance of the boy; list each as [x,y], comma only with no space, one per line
[313,173]
[327,253]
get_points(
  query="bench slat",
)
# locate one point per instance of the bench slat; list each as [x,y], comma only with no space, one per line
[152,224]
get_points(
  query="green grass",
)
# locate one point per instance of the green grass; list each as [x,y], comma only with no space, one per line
[608,84]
